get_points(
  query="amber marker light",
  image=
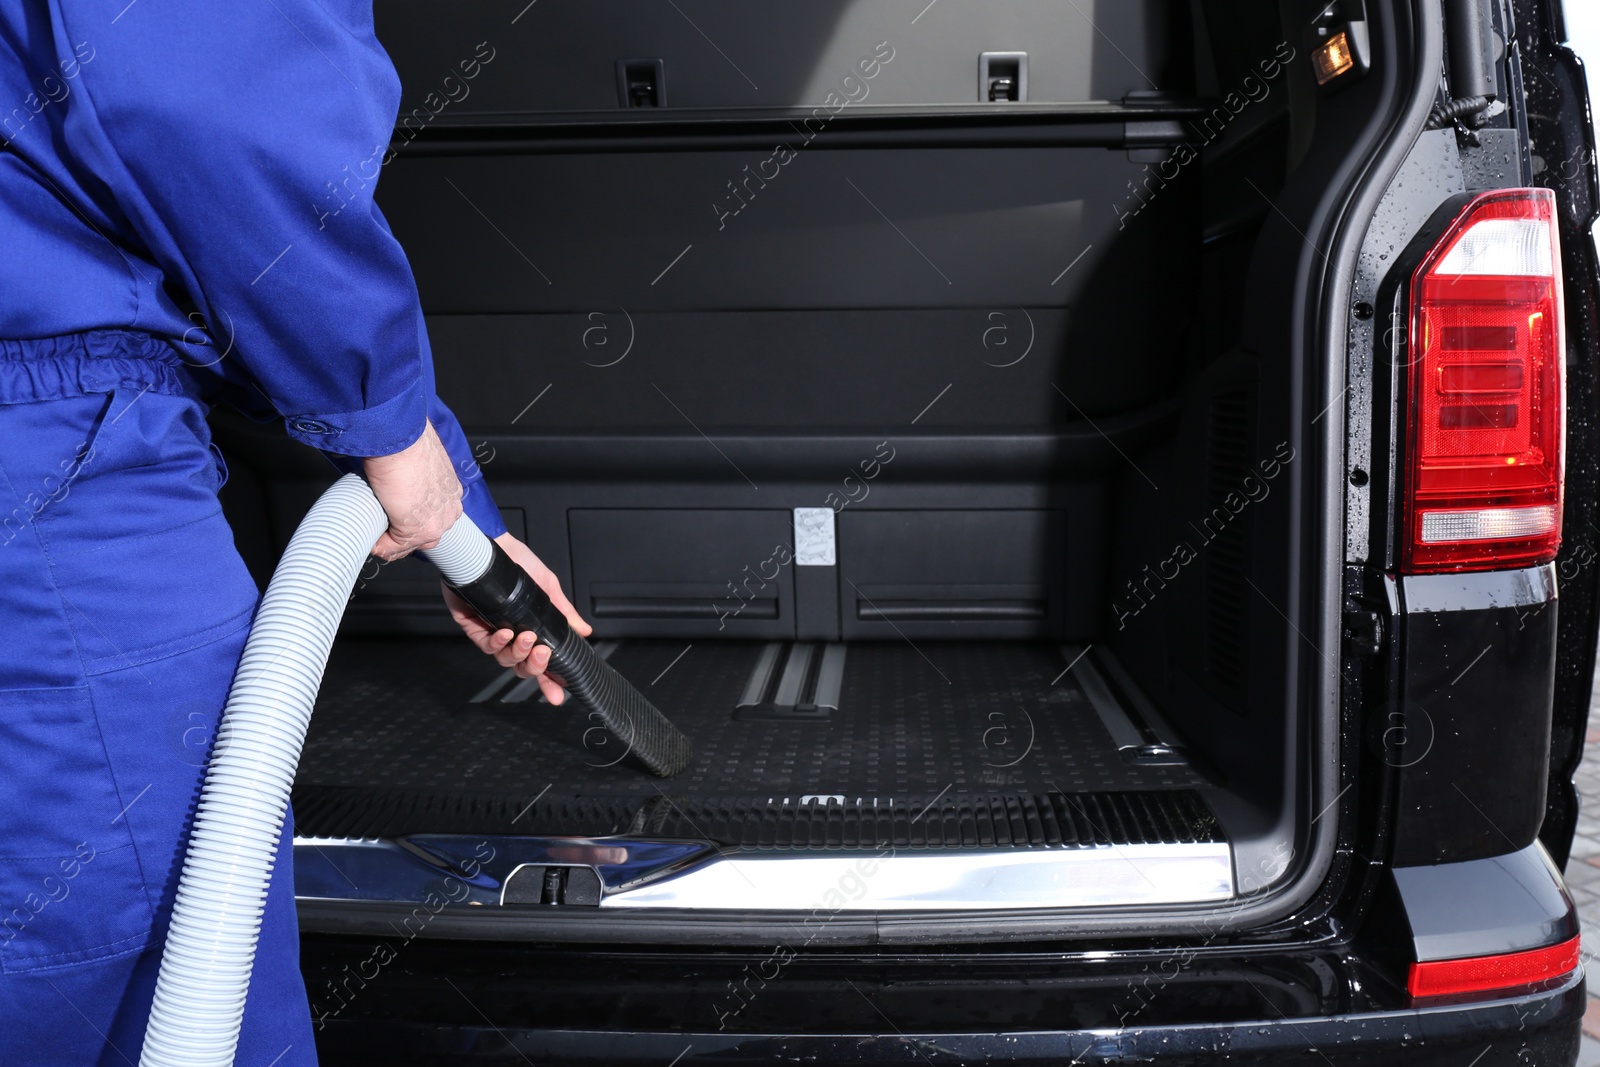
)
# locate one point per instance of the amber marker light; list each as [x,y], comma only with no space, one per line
[1333,58]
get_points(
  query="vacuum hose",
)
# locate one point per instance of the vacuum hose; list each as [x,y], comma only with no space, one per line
[211,941]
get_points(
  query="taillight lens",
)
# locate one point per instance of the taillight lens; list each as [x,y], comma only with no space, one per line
[1487,419]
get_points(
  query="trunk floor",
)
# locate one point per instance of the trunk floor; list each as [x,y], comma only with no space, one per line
[396,726]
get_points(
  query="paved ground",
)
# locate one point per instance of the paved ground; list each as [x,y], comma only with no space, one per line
[1583,878]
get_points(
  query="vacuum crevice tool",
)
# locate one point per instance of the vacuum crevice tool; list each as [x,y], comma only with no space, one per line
[508,598]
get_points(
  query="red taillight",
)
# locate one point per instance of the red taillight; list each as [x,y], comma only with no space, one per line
[1483,973]
[1487,419]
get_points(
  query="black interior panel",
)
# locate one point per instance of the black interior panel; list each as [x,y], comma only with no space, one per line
[562,54]
[951,574]
[1008,366]
[697,572]
[848,293]
[991,227]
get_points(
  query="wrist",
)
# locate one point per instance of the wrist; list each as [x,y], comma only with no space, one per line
[395,459]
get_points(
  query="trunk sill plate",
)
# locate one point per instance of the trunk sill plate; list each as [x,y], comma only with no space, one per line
[433,869]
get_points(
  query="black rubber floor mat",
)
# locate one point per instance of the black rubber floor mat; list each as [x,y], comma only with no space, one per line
[950,821]
[1171,816]
[395,731]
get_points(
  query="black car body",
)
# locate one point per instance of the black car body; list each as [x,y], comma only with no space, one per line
[889,343]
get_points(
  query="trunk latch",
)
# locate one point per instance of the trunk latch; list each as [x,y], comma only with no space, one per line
[537,884]
[1363,629]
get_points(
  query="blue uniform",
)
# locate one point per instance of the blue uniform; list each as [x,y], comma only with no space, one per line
[179,227]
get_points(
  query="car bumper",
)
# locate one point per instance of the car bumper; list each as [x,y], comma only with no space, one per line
[1541,1028]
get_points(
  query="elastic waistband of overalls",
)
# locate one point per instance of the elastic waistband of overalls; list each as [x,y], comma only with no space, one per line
[93,361]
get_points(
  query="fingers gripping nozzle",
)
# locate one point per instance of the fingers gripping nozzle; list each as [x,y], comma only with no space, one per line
[508,598]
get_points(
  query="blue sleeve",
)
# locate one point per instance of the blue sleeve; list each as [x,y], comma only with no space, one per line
[244,142]
[476,500]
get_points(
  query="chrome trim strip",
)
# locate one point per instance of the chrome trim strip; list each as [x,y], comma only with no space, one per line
[794,675]
[1142,704]
[493,687]
[1113,875]
[830,676]
[1123,733]
[464,869]
[521,691]
[471,869]
[760,674]
[1479,590]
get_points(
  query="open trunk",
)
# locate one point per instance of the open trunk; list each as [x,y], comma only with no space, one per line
[997,756]
[904,445]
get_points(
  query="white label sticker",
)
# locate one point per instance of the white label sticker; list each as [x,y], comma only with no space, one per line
[813,537]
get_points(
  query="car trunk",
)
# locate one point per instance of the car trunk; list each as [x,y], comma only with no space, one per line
[905,447]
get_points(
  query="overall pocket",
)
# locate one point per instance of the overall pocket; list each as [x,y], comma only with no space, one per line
[71,887]
[138,547]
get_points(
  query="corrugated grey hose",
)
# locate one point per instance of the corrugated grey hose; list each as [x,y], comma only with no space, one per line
[211,942]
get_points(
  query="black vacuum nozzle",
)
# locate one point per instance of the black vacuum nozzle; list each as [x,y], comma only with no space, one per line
[508,598]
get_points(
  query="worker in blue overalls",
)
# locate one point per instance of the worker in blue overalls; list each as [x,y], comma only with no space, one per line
[162,249]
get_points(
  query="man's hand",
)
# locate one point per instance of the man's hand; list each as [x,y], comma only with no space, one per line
[419,491]
[421,494]
[522,655]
